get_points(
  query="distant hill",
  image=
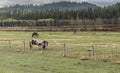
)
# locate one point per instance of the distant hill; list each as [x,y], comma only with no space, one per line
[40,12]
[69,5]
[58,5]
[116,5]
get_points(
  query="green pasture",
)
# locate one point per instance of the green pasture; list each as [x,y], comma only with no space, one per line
[16,59]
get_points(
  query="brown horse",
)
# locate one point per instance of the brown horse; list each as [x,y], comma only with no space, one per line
[41,44]
[35,34]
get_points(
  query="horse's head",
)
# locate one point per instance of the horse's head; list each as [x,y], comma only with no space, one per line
[44,44]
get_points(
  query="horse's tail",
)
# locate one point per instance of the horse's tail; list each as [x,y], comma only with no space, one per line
[30,44]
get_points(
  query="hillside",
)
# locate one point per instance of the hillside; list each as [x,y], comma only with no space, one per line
[58,5]
[69,5]
[60,10]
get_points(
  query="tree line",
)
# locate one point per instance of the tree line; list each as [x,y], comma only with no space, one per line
[106,18]
[89,13]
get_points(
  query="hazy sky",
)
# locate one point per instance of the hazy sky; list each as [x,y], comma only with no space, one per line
[13,2]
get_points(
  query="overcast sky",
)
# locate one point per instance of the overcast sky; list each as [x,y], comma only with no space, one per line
[13,2]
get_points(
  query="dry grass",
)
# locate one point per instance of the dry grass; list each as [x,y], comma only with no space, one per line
[79,44]
[78,60]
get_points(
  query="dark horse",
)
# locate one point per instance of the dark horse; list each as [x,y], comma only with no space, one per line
[35,34]
[41,44]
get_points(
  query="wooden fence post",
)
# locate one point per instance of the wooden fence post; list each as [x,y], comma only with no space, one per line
[24,45]
[93,51]
[65,51]
[9,44]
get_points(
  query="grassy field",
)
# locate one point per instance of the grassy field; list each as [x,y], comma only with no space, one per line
[106,60]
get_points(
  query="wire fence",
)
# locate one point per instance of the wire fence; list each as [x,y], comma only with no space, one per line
[102,52]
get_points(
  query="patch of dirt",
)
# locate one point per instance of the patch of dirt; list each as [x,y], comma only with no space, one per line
[117,62]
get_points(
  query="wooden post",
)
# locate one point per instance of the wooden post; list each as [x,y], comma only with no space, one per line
[24,45]
[65,51]
[93,51]
[9,44]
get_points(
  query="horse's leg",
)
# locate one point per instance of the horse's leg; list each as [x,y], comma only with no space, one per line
[43,47]
[40,48]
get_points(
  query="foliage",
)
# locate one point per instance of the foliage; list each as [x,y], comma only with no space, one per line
[26,12]
[49,19]
[31,15]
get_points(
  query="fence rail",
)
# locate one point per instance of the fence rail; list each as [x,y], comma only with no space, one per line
[102,52]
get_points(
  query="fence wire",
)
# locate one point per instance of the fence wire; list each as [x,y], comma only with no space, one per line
[102,52]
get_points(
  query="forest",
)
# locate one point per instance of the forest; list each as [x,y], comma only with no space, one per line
[27,15]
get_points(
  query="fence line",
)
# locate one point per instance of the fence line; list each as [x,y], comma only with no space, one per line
[11,44]
[93,52]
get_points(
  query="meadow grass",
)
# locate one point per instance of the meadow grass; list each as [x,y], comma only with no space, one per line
[36,63]
[107,53]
